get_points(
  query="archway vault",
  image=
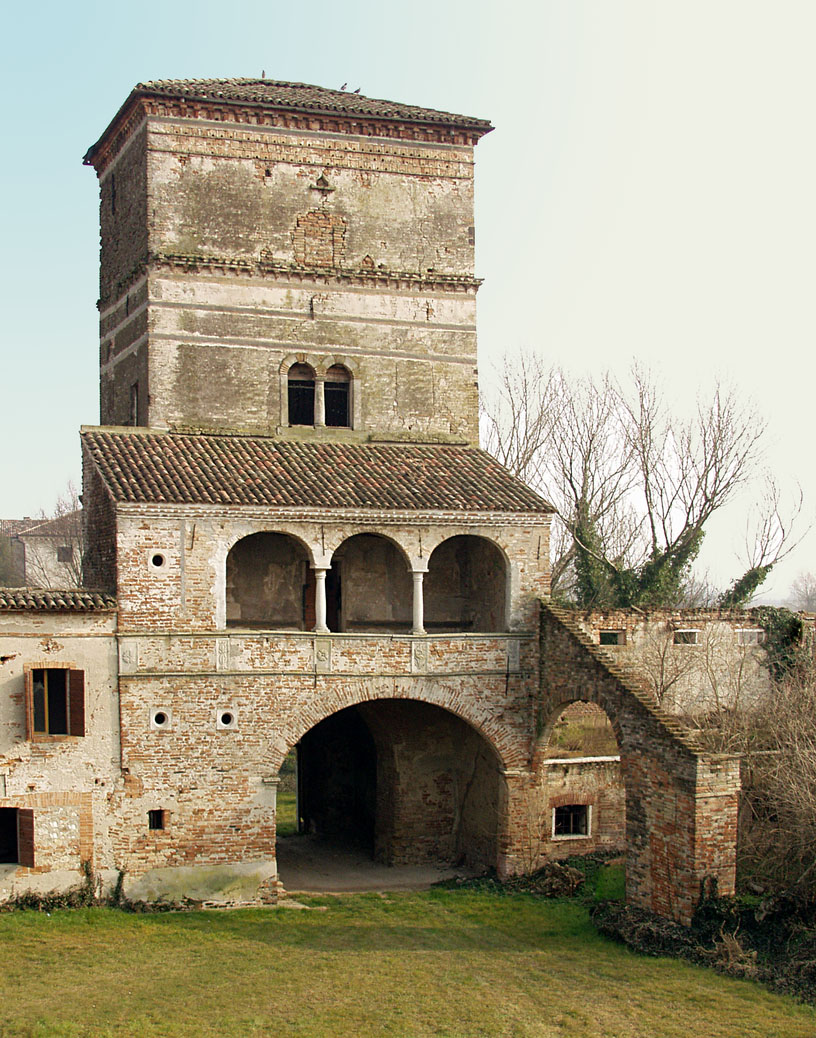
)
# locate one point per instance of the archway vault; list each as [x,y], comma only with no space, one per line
[510,748]
[411,782]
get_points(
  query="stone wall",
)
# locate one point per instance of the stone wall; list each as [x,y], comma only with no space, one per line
[268,247]
[681,803]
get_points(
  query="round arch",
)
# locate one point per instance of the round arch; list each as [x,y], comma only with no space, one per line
[504,744]
[268,579]
[467,587]
[372,583]
[413,781]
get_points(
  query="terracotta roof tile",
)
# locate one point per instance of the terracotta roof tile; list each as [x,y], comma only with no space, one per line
[303,97]
[70,600]
[244,470]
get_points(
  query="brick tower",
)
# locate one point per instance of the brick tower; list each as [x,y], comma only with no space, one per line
[279,257]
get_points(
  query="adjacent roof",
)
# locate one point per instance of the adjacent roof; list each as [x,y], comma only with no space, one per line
[159,468]
[293,97]
[72,600]
[66,525]
[13,527]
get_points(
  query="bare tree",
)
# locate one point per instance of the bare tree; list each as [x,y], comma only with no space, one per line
[803,592]
[778,821]
[633,484]
[55,546]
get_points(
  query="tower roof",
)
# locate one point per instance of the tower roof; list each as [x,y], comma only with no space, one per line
[280,96]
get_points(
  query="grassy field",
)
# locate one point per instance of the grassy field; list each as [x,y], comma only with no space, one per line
[287,814]
[443,962]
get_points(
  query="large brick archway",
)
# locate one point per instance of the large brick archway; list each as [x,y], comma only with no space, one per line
[681,802]
[429,782]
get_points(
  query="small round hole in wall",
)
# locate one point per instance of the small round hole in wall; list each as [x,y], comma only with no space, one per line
[225,717]
[157,560]
[160,719]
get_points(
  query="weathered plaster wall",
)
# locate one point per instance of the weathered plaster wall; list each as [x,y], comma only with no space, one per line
[250,263]
[66,780]
[720,670]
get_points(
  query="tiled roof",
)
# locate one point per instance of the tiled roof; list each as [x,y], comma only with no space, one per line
[302,97]
[71,601]
[67,525]
[12,527]
[244,470]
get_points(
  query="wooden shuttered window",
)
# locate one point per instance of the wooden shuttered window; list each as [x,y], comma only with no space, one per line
[76,701]
[54,701]
[25,837]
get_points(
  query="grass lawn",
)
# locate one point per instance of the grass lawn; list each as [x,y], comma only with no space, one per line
[286,818]
[443,962]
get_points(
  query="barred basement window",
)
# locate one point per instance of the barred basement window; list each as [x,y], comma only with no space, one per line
[612,638]
[686,637]
[751,637]
[16,836]
[156,819]
[55,701]
[571,820]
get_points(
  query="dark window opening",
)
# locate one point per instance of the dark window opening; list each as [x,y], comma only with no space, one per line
[612,638]
[685,637]
[571,820]
[156,819]
[65,553]
[55,701]
[134,404]
[301,395]
[50,702]
[8,836]
[337,394]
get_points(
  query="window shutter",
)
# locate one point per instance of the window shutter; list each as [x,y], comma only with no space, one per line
[25,837]
[29,703]
[76,702]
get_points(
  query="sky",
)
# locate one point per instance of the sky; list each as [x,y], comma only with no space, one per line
[647,193]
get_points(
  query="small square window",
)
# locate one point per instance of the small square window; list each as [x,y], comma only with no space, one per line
[571,820]
[65,553]
[686,637]
[612,638]
[157,819]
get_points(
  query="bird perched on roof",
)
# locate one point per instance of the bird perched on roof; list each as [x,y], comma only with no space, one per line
[343,87]
[357,91]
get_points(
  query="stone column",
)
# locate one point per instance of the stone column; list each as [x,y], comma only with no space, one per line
[419,603]
[320,601]
[320,402]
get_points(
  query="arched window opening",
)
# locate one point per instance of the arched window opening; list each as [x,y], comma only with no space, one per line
[337,389]
[466,586]
[582,730]
[579,797]
[270,584]
[301,395]
[377,589]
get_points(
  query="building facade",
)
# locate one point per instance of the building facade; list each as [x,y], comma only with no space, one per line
[295,542]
